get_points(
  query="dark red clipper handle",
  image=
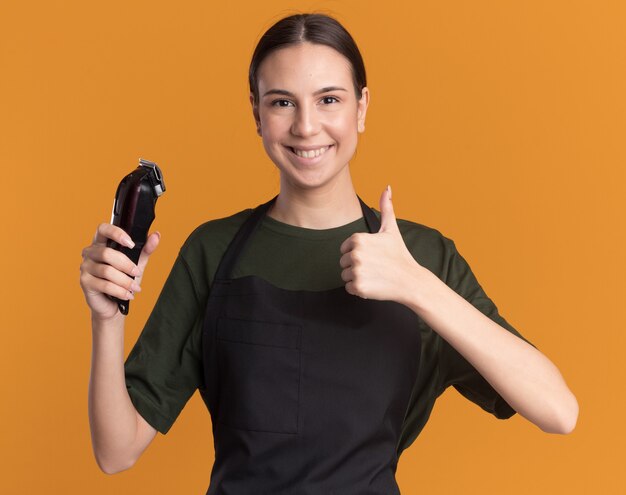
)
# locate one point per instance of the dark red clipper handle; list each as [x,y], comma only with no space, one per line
[133,211]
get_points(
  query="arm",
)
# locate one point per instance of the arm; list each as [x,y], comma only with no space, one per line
[119,434]
[380,266]
[528,381]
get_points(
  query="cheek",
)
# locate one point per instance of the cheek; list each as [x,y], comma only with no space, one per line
[275,126]
[342,123]
[346,135]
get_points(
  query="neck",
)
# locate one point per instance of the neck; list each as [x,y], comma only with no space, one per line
[315,208]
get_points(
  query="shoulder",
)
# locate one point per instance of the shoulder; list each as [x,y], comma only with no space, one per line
[206,244]
[216,233]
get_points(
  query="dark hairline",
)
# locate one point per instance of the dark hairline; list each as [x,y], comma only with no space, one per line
[317,29]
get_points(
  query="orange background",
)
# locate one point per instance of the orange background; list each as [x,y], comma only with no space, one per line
[501,124]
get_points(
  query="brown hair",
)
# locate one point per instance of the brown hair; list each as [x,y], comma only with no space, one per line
[313,28]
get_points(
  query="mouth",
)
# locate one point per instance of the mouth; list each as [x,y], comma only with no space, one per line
[310,154]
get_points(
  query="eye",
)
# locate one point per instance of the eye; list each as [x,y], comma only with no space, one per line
[326,98]
[279,103]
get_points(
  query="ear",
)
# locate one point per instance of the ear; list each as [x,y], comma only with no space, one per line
[362,105]
[255,108]
[255,113]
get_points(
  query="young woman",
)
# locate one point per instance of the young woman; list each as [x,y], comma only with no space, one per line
[318,331]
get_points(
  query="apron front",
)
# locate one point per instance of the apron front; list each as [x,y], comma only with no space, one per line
[307,390]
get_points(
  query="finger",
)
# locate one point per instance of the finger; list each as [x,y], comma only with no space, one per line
[350,289]
[349,243]
[151,244]
[109,231]
[345,261]
[347,275]
[113,275]
[113,257]
[388,222]
[106,287]
[350,259]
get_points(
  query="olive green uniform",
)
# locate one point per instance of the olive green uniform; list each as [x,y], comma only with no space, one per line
[164,368]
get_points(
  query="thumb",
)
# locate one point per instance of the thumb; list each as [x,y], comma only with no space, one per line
[387,216]
[151,244]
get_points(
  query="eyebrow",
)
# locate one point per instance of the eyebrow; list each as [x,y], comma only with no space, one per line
[284,92]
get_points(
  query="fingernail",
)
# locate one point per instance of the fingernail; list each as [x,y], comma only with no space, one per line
[389,189]
[130,295]
[136,271]
[135,287]
[128,241]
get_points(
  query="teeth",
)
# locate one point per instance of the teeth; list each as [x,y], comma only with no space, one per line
[312,153]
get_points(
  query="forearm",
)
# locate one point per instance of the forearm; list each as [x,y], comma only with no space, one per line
[112,416]
[527,380]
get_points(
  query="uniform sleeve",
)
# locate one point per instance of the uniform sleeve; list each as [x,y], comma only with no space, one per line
[164,368]
[454,369]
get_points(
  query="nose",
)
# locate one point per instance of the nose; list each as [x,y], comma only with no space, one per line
[306,121]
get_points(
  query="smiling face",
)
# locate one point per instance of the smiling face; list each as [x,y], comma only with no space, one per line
[309,114]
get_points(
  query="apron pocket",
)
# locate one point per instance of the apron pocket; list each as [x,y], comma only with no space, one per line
[259,375]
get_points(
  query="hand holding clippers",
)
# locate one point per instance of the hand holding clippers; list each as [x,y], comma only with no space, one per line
[133,211]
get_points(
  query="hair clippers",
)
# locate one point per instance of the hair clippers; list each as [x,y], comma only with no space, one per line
[133,211]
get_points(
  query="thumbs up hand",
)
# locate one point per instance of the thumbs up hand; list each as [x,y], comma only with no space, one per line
[378,265]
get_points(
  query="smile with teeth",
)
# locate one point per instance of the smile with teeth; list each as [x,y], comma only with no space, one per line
[311,153]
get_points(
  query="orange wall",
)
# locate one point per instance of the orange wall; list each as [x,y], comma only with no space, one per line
[499,123]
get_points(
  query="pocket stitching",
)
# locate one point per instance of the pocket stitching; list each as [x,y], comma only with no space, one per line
[294,326]
[298,372]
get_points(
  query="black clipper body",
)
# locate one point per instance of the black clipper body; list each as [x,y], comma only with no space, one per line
[133,211]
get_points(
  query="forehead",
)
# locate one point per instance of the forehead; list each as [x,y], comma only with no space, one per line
[304,67]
